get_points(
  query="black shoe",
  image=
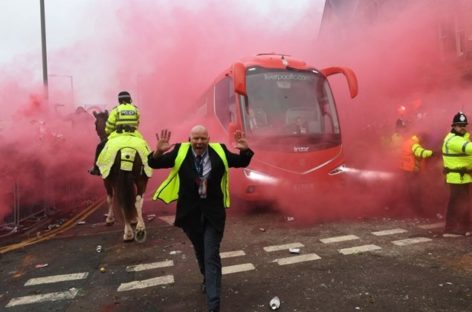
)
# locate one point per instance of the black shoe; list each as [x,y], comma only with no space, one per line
[94,171]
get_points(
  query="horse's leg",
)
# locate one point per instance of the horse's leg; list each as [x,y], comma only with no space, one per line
[140,227]
[141,184]
[110,216]
[134,221]
[128,235]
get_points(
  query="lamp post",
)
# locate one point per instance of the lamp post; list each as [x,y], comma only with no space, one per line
[44,51]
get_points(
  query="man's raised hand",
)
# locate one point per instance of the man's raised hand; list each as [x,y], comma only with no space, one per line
[162,142]
[240,140]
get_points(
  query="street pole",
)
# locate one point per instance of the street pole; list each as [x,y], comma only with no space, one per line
[44,51]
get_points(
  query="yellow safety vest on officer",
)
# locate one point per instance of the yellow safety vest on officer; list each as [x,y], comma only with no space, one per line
[413,154]
[168,191]
[124,117]
[457,153]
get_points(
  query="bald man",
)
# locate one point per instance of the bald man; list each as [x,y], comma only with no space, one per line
[199,182]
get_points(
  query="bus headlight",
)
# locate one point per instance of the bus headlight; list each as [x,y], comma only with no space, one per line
[260,177]
[338,170]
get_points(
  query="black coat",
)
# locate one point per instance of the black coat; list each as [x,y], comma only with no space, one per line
[190,207]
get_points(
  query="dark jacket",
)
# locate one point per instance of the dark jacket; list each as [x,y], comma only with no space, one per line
[190,207]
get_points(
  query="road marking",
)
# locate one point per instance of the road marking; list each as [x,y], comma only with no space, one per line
[432,226]
[283,247]
[410,241]
[168,219]
[358,249]
[297,259]
[149,266]
[55,296]
[450,235]
[337,239]
[56,278]
[389,232]
[231,254]
[156,281]
[237,268]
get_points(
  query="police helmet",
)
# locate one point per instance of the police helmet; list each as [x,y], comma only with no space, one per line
[460,119]
[124,97]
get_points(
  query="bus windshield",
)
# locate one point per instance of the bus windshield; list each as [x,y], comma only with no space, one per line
[290,103]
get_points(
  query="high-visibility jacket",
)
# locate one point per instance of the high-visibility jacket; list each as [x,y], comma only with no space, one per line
[413,154]
[457,158]
[168,191]
[121,115]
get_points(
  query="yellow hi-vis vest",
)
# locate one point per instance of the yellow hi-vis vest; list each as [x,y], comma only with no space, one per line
[413,154]
[457,158]
[123,114]
[168,191]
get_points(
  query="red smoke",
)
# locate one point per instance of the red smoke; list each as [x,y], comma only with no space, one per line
[167,55]
[399,60]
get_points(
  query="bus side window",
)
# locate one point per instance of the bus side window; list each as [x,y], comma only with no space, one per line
[225,101]
[202,104]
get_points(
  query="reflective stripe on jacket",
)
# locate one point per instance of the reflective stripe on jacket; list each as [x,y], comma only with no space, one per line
[168,191]
[457,158]
[121,115]
[413,154]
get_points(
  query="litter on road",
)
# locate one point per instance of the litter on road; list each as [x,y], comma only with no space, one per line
[294,250]
[274,303]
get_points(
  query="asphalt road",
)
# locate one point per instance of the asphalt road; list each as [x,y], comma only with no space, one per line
[353,265]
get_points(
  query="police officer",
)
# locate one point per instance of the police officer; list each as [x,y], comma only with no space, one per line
[457,158]
[124,118]
[413,154]
[412,163]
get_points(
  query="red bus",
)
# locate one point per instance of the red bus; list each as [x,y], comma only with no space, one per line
[288,112]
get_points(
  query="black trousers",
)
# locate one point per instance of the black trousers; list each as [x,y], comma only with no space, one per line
[206,242]
[458,209]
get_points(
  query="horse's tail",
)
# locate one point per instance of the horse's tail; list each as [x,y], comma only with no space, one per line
[126,193]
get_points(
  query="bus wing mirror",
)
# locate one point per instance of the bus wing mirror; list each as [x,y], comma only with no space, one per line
[239,75]
[348,73]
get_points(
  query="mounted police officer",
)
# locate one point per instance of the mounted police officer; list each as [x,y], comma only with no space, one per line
[457,158]
[124,118]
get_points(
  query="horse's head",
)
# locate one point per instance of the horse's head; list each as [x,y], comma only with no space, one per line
[100,123]
[101,115]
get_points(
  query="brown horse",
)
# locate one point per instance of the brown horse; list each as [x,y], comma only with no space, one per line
[124,188]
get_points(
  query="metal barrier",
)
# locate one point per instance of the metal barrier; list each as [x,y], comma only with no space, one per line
[12,226]
[15,221]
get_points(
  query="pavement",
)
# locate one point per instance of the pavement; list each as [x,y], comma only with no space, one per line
[376,264]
